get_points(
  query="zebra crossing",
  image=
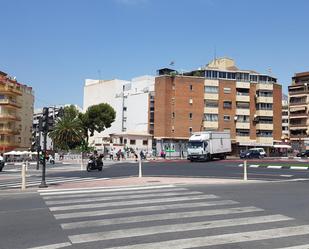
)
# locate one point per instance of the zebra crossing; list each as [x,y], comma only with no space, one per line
[33,181]
[168,216]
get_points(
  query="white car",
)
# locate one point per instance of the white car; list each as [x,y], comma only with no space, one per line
[261,150]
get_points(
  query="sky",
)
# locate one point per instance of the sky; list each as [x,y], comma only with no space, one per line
[54,45]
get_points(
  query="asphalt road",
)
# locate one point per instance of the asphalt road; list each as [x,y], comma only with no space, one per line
[256,215]
[226,169]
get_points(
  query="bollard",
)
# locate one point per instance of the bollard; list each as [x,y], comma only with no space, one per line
[23,176]
[245,171]
[140,167]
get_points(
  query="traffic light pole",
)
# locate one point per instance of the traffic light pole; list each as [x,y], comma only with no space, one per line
[43,182]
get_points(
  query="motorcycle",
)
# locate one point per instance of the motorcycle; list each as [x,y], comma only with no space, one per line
[94,164]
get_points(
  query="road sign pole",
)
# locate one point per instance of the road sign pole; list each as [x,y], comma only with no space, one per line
[43,182]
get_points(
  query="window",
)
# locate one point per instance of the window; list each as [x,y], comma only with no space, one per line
[211,117]
[264,106]
[264,93]
[210,103]
[145,142]
[264,133]
[242,132]
[191,87]
[190,129]
[173,114]
[253,78]
[222,75]
[132,141]
[243,118]
[243,105]
[125,141]
[227,90]
[227,104]
[226,118]
[190,115]
[124,108]
[211,89]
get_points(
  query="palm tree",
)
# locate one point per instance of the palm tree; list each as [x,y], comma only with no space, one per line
[67,132]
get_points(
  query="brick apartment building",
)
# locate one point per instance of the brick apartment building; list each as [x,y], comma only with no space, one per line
[16,111]
[298,111]
[217,97]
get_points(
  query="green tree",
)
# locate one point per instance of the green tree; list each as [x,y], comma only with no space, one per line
[68,132]
[97,118]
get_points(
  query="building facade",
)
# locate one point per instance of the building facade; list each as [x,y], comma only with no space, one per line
[16,110]
[217,97]
[285,118]
[131,101]
[298,110]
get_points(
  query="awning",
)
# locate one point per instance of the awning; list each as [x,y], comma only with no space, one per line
[296,109]
[255,144]
[283,146]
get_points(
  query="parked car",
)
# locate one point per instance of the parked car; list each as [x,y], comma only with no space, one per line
[260,150]
[251,154]
[303,154]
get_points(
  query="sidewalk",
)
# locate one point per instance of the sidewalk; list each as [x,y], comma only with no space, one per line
[146,181]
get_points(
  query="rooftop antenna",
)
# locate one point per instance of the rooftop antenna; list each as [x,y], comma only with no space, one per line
[270,71]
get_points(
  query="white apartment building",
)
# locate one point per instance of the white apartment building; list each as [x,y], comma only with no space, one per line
[130,100]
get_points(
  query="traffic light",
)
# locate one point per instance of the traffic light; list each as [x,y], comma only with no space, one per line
[45,119]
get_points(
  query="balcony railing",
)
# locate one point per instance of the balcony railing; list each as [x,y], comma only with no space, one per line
[10,117]
[10,102]
[10,89]
[9,131]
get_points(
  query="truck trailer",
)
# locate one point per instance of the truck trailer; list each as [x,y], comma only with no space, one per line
[206,145]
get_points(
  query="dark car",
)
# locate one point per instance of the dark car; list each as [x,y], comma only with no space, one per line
[1,165]
[303,154]
[250,154]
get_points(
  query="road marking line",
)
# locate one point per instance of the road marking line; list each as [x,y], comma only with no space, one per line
[299,167]
[135,202]
[105,189]
[158,217]
[274,167]
[254,165]
[158,207]
[296,247]
[104,193]
[223,239]
[122,197]
[144,231]
[53,246]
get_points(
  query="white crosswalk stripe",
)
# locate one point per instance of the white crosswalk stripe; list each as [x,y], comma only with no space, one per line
[114,216]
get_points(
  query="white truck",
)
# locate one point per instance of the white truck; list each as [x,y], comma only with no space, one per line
[207,145]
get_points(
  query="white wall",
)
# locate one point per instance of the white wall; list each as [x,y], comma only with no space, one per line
[136,101]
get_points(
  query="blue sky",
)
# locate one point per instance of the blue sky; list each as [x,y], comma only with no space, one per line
[54,45]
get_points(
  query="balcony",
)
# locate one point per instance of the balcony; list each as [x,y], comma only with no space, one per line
[212,110]
[243,139]
[9,131]
[243,85]
[264,100]
[10,89]
[261,126]
[9,102]
[265,113]
[242,125]
[211,124]
[242,98]
[261,86]
[240,111]
[212,96]
[7,117]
